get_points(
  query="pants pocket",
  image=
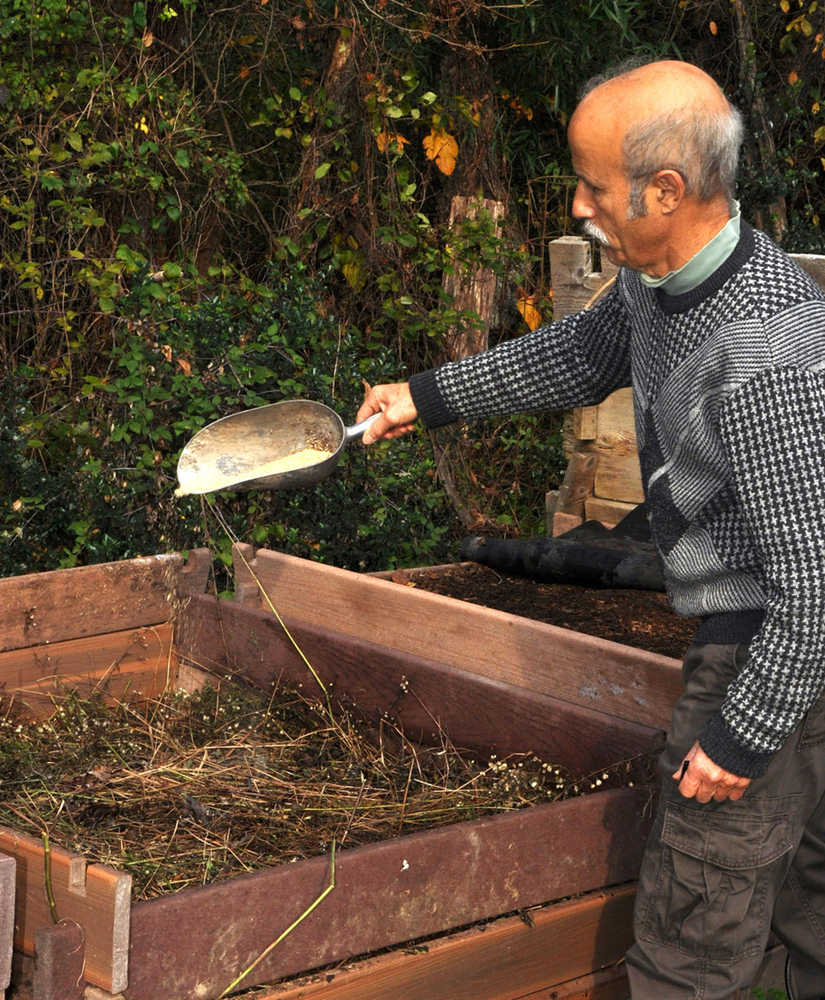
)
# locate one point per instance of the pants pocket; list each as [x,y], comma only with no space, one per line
[710,890]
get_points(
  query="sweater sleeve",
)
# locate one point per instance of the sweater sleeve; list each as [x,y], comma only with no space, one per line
[575,361]
[773,428]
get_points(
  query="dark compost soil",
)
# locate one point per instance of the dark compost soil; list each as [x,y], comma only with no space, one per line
[640,618]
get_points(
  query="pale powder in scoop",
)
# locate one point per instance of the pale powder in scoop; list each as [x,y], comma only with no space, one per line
[211,480]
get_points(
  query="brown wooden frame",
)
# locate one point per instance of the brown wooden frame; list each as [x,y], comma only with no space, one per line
[192,943]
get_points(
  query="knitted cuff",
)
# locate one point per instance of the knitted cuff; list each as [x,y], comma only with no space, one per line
[719,743]
[432,409]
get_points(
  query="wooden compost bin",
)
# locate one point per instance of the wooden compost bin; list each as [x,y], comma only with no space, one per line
[491,680]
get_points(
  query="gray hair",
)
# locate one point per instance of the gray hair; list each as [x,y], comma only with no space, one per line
[700,145]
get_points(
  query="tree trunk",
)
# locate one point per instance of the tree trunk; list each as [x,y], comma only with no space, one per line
[473,290]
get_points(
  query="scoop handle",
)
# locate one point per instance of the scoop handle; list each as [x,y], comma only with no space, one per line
[350,433]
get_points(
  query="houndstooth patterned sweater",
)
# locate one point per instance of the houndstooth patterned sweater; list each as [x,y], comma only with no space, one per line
[729,392]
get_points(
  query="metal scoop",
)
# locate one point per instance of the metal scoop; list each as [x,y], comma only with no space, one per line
[234,452]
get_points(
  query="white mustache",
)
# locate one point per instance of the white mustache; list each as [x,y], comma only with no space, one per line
[592,230]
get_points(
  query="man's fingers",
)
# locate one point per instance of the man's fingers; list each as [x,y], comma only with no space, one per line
[691,786]
[698,777]
[383,427]
[376,430]
[398,412]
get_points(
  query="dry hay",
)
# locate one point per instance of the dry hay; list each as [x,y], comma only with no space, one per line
[192,788]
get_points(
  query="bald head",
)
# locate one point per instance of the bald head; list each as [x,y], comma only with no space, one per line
[657,88]
[666,115]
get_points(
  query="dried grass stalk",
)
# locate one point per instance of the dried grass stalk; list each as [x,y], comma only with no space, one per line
[192,788]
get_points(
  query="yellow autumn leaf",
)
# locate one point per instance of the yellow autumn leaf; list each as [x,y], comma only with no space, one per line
[148,38]
[385,139]
[527,307]
[441,147]
[355,274]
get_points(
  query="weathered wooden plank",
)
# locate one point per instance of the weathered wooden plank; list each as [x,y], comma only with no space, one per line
[557,522]
[506,960]
[7,877]
[615,416]
[94,896]
[134,663]
[402,575]
[577,484]
[425,696]
[608,984]
[609,512]
[384,894]
[586,670]
[618,476]
[39,700]
[585,425]
[92,600]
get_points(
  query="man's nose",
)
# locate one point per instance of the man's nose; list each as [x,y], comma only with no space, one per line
[582,205]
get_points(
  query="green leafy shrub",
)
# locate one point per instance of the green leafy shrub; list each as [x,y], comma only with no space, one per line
[92,475]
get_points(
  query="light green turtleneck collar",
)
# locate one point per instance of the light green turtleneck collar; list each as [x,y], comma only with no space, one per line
[703,263]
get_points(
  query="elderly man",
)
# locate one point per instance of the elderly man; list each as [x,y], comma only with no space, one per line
[722,338]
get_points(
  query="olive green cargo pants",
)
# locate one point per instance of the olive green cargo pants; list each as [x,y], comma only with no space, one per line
[717,877]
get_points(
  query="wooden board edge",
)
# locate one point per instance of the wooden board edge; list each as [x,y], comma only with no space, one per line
[57,605]
[122,915]
[95,896]
[428,881]
[403,574]
[129,665]
[620,680]
[8,867]
[501,952]
[428,699]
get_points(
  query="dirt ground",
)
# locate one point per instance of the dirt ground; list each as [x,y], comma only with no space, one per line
[640,618]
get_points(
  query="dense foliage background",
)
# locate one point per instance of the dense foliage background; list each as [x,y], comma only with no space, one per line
[208,207]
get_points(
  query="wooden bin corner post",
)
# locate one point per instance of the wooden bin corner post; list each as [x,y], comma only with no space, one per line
[59,962]
[247,590]
[94,897]
[193,576]
[7,880]
[602,481]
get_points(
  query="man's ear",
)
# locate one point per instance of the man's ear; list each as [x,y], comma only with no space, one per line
[669,188]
